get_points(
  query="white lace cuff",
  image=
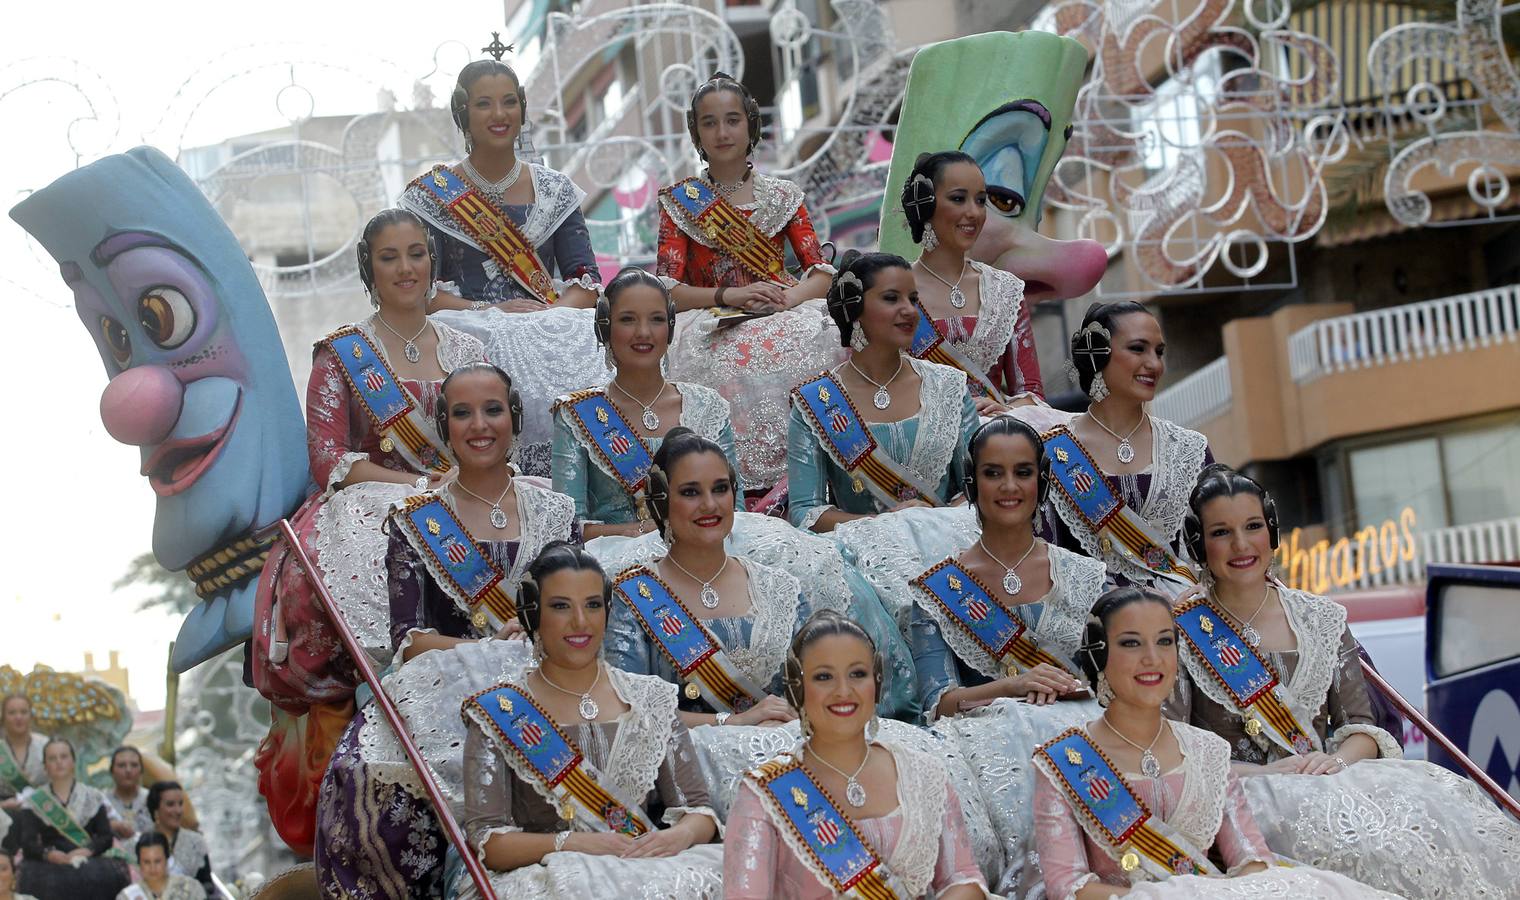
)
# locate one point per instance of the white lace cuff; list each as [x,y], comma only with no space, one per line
[1079,884]
[400,655]
[825,268]
[1235,869]
[1038,400]
[340,472]
[670,283]
[966,879]
[1388,748]
[931,709]
[447,286]
[585,281]
[485,837]
[813,515]
[674,814]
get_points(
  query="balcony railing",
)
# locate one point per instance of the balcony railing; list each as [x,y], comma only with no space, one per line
[1198,397]
[1482,542]
[1403,333]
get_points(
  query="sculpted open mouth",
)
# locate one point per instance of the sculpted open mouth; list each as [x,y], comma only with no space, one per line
[176,465]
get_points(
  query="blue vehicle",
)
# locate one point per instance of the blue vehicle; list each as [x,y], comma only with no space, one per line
[1472,663]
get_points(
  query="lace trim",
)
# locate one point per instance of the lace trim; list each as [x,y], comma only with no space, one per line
[340,471]
[544,515]
[350,549]
[1388,748]
[811,517]
[555,197]
[190,851]
[776,202]
[586,281]
[921,795]
[1206,767]
[773,597]
[888,554]
[939,423]
[1177,458]
[674,814]
[703,410]
[1002,295]
[1318,623]
[643,735]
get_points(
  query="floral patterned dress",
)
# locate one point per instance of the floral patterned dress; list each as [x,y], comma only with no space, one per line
[999,340]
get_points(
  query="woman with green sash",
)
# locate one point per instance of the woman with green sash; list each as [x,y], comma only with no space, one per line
[1135,805]
[21,754]
[882,430]
[1276,673]
[65,834]
[580,779]
[845,814]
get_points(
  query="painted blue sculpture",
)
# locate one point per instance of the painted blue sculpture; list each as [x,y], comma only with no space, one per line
[199,379]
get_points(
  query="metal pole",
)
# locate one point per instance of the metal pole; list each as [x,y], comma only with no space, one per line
[1414,715]
[451,828]
[171,709]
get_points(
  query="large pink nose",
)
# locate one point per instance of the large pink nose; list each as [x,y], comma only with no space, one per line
[141,405]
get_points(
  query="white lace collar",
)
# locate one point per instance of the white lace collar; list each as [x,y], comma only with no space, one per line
[455,348]
[1002,295]
[703,410]
[555,197]
[773,597]
[922,792]
[83,802]
[1076,581]
[940,391]
[1177,456]
[190,852]
[543,515]
[1200,808]
[776,202]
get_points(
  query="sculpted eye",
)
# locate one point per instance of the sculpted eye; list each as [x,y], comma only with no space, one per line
[1007,202]
[166,316]
[117,340]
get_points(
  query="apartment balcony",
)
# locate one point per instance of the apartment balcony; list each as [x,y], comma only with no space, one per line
[1315,373]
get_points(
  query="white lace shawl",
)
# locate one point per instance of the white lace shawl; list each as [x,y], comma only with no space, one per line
[455,348]
[703,410]
[776,201]
[939,420]
[555,197]
[1002,295]
[1076,583]
[190,852]
[1177,456]
[1200,808]
[922,791]
[640,745]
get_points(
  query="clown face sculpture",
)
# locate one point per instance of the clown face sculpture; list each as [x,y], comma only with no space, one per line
[1006,99]
[198,377]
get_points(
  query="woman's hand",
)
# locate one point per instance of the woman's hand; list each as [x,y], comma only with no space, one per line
[1321,764]
[81,853]
[986,406]
[57,857]
[1043,684]
[760,297]
[909,504]
[512,629]
[770,711]
[665,842]
[123,829]
[521,305]
[609,844]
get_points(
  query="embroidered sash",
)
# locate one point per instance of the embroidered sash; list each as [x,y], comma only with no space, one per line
[834,421]
[607,436]
[492,229]
[455,561]
[929,344]
[524,732]
[836,852]
[1246,677]
[730,229]
[1104,512]
[695,653]
[395,415]
[47,808]
[11,769]
[1001,632]
[1114,815]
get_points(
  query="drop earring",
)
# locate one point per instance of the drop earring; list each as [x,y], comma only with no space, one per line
[931,240]
[858,340]
[1099,389]
[1104,693]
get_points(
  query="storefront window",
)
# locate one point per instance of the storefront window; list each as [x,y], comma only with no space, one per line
[1386,479]
[1459,478]
[1483,473]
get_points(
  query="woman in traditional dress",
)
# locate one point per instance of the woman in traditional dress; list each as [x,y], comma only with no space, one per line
[1131,804]
[1117,451]
[8,878]
[766,550]
[129,799]
[386,368]
[604,438]
[882,430]
[377,837]
[65,834]
[21,757]
[546,833]
[805,824]
[978,310]
[1403,826]
[722,275]
[155,881]
[519,245]
[188,853]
